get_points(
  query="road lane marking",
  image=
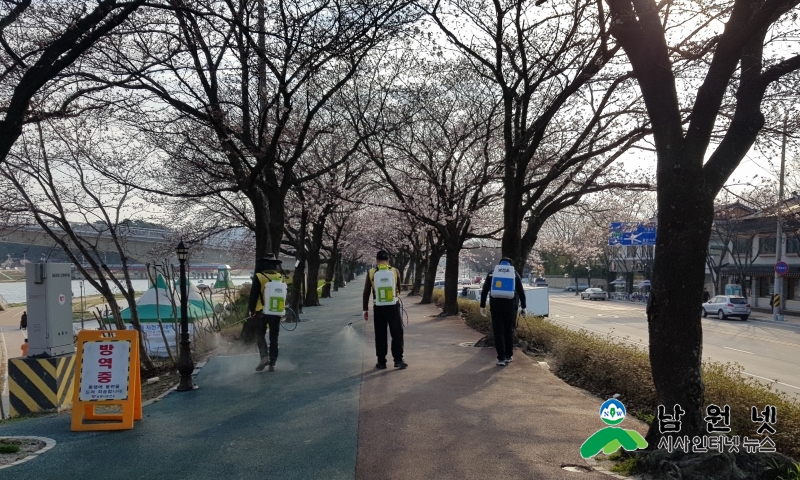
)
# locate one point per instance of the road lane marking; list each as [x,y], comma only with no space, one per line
[771,380]
[743,351]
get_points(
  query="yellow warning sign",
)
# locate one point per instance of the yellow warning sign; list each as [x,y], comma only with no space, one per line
[107,374]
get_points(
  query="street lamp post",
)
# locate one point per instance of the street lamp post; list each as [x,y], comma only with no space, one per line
[185,363]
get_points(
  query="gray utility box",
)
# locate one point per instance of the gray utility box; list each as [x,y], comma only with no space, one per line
[49,296]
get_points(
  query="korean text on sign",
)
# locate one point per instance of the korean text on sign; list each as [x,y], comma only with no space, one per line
[105,371]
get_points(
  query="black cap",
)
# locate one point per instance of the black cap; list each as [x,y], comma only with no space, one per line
[382,255]
[268,263]
[507,260]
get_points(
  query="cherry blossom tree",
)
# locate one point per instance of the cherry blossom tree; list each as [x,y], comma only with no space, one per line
[568,109]
[440,163]
[704,75]
[41,42]
[236,93]
[51,179]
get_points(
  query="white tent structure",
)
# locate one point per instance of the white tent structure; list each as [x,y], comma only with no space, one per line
[156,304]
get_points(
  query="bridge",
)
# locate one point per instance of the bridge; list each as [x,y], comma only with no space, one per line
[138,270]
[144,245]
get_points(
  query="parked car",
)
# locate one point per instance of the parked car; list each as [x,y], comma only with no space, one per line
[581,287]
[438,284]
[540,282]
[724,306]
[594,294]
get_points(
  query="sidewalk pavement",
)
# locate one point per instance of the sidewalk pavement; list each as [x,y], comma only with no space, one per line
[764,316]
[327,413]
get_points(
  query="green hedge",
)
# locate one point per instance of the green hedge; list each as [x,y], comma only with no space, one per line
[605,365]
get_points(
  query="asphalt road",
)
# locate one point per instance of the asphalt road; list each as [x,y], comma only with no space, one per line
[766,350]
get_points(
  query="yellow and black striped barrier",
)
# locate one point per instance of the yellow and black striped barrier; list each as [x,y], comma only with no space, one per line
[40,384]
[776,300]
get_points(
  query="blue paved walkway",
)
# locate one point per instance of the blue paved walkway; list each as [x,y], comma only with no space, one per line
[300,422]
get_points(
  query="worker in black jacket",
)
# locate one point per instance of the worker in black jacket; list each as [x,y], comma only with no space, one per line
[504,312]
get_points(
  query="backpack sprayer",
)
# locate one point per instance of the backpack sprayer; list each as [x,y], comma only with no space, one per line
[403,313]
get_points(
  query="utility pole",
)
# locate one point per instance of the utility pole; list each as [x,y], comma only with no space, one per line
[778,289]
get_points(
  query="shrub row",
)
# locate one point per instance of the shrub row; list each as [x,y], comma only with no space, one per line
[605,365]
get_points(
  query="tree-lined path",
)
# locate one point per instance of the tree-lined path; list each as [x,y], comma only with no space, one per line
[328,414]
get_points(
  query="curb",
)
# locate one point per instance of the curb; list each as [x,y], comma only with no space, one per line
[199,366]
[774,322]
[48,444]
[596,467]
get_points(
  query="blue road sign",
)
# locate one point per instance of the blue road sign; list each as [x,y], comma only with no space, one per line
[781,268]
[632,233]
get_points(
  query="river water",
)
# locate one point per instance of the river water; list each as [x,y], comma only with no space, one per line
[14,292]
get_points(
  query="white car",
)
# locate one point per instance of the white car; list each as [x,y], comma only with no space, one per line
[724,306]
[594,294]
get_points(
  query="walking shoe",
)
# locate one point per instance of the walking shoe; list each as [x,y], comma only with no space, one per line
[509,360]
[401,364]
[271,368]
[262,364]
[501,363]
[380,366]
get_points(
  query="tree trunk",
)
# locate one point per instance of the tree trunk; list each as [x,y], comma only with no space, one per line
[419,272]
[261,212]
[451,283]
[675,331]
[277,220]
[430,274]
[401,260]
[349,270]
[512,216]
[410,270]
[298,277]
[314,262]
[312,295]
[338,278]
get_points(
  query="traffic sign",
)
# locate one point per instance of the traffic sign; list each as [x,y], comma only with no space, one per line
[781,268]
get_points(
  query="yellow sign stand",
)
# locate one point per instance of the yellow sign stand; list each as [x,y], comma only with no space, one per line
[107,374]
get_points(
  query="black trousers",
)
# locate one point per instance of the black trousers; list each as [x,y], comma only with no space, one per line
[504,321]
[274,322]
[388,316]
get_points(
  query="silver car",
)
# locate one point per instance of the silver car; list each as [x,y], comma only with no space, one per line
[594,294]
[724,306]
